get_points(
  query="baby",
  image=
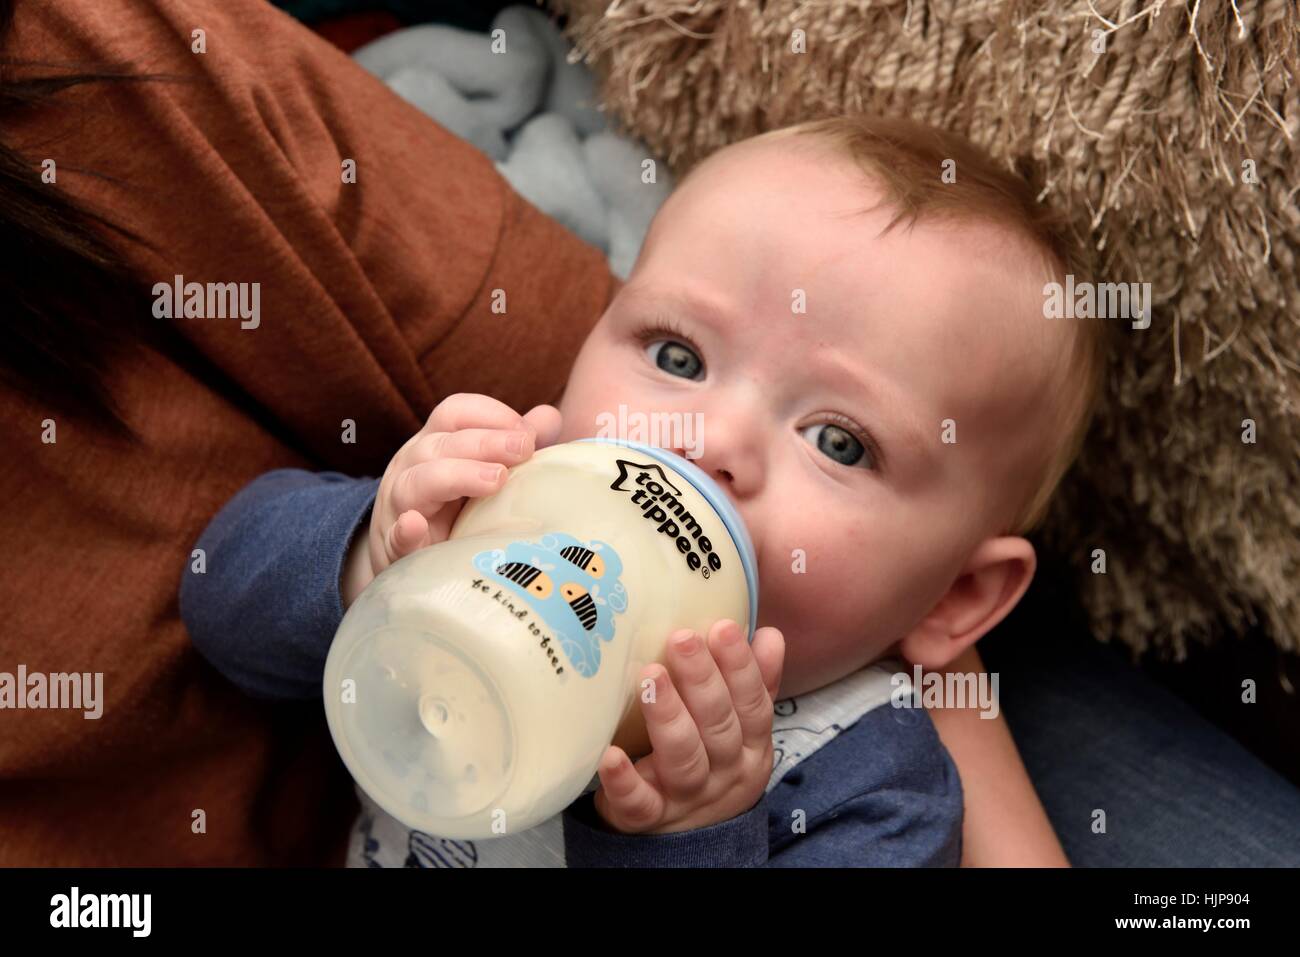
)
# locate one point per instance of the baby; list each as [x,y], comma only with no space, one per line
[853,308]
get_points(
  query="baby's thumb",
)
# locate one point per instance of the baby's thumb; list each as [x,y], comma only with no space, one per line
[546,419]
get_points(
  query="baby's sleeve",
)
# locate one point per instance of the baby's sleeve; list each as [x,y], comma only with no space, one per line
[260,596]
[739,842]
[883,793]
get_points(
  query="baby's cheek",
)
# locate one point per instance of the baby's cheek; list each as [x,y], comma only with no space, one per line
[809,586]
[846,592]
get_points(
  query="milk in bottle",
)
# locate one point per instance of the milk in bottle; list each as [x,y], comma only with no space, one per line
[472,688]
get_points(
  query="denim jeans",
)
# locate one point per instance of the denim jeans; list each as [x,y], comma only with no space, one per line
[1096,734]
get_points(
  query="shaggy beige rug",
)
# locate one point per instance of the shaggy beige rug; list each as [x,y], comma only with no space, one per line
[1168,131]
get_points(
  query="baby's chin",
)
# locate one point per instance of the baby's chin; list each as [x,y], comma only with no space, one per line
[813,661]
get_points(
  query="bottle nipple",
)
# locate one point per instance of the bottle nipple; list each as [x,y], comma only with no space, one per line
[434,715]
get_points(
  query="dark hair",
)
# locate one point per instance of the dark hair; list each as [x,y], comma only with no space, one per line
[72,303]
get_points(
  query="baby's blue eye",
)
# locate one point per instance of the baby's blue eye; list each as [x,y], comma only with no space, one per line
[675,358]
[839,444]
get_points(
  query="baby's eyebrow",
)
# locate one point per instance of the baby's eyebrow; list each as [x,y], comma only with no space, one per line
[904,437]
[692,304]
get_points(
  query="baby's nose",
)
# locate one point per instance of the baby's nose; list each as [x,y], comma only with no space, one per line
[720,475]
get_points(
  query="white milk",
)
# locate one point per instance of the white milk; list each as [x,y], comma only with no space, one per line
[473,687]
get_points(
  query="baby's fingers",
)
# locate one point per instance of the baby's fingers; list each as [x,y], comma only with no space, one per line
[470,410]
[426,487]
[509,447]
[769,652]
[681,760]
[626,800]
[408,534]
[753,676]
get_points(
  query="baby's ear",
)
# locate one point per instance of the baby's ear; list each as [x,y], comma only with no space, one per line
[990,583]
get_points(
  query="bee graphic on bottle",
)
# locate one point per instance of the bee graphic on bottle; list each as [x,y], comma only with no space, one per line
[573,586]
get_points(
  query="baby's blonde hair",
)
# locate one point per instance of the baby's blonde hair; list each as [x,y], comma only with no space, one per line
[907,159]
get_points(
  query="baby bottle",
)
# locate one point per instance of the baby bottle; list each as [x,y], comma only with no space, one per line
[472,688]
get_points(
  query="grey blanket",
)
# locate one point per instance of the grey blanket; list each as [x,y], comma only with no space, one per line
[514,94]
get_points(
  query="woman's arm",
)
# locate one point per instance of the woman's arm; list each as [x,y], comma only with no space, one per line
[1005,824]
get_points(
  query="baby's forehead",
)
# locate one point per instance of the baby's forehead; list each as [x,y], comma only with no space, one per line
[803,181]
[959,296]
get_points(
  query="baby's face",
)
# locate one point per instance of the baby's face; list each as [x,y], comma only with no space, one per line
[823,362]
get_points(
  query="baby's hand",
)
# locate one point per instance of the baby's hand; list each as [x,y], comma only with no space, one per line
[461,453]
[710,725]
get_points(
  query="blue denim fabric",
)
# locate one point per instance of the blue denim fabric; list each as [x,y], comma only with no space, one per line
[1097,734]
